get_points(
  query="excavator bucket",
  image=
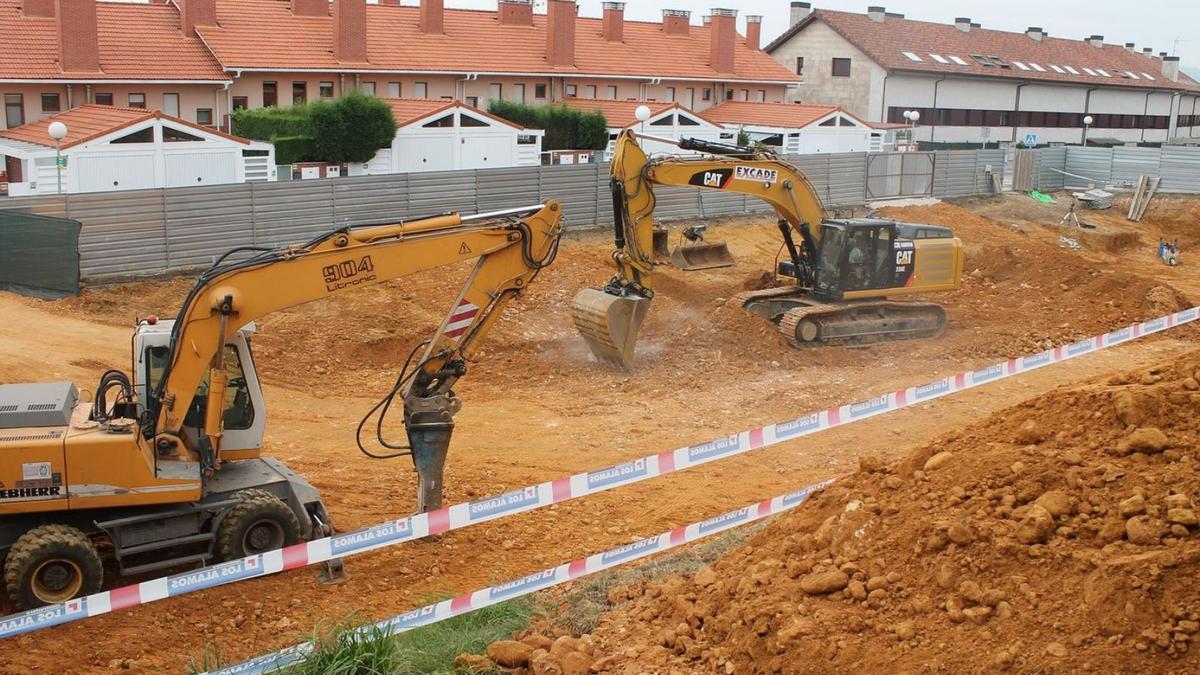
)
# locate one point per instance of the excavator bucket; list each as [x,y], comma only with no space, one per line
[662,246]
[701,256]
[610,324]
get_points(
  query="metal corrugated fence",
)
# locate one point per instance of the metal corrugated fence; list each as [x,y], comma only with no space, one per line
[1178,166]
[156,231]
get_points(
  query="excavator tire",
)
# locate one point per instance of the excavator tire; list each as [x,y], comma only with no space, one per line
[259,522]
[51,564]
[856,324]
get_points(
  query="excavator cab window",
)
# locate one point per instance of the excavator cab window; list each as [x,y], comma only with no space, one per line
[239,410]
[855,257]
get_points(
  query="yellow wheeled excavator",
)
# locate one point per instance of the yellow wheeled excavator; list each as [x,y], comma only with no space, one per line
[837,276]
[163,465]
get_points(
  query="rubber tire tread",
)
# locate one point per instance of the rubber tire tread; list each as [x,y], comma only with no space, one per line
[252,504]
[63,540]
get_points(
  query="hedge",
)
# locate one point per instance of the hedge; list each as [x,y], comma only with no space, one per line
[566,128]
[348,129]
[263,124]
[292,149]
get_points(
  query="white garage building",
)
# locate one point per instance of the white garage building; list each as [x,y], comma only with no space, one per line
[794,129]
[667,120]
[109,148]
[449,135]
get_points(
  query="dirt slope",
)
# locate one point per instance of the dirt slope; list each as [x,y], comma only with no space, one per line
[1056,536]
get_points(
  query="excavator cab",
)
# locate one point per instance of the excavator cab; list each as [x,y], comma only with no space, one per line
[858,255]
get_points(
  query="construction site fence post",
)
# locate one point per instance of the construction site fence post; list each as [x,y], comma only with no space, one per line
[153,232]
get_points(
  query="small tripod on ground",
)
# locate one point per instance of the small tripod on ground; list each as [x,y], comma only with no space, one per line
[1071,218]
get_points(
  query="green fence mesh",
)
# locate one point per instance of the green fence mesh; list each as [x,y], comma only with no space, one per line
[39,255]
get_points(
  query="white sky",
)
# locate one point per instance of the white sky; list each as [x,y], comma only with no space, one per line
[1149,23]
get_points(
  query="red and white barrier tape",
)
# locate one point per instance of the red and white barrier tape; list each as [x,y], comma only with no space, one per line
[556,491]
[540,581]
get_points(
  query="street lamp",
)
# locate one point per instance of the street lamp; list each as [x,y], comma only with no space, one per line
[1087,122]
[643,115]
[912,116]
[58,131]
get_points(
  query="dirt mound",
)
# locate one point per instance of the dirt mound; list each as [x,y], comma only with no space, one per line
[1057,536]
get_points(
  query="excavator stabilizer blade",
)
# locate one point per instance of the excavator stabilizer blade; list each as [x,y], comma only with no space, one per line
[703,256]
[610,324]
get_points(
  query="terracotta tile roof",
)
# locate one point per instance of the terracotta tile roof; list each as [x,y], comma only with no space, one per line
[409,110]
[263,34]
[137,42]
[884,42]
[91,121]
[622,114]
[783,115]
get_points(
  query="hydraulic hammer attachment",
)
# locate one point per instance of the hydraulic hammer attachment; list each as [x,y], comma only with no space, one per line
[609,323]
[430,424]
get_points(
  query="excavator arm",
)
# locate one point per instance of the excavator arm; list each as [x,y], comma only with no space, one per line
[610,318]
[510,249]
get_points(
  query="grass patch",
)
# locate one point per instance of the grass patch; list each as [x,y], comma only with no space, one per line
[589,599]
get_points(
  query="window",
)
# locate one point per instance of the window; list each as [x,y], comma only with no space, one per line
[957,60]
[589,91]
[238,414]
[50,103]
[1091,72]
[572,91]
[539,91]
[1147,76]
[270,94]
[173,135]
[670,94]
[939,58]
[612,93]
[204,117]
[240,103]
[495,92]
[1036,67]
[1057,69]
[841,67]
[1103,72]
[983,61]
[469,121]
[1071,70]
[706,95]
[441,122]
[664,121]
[299,92]
[761,96]
[421,90]
[519,93]
[689,97]
[143,136]
[171,104]
[744,95]
[393,90]
[1020,65]
[997,61]
[728,94]
[137,100]
[103,99]
[14,110]
[685,121]
[831,122]
[913,57]
[325,90]
[799,65]
[368,88]
[1128,74]
[473,101]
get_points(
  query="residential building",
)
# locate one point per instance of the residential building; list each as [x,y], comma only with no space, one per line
[973,85]
[213,56]
[798,129]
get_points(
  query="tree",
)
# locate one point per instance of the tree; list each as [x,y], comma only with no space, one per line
[351,129]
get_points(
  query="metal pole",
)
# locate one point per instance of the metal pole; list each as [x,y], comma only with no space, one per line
[1085,130]
[58,162]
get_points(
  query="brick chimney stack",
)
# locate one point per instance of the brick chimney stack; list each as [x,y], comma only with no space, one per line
[194,13]
[433,16]
[350,31]
[38,8]
[309,7]
[516,12]
[722,37]
[78,36]
[677,21]
[614,21]
[560,32]
[754,31]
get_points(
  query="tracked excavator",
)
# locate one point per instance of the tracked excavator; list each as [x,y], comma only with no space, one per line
[162,468]
[836,275]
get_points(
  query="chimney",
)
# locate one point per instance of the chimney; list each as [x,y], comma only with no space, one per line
[1148,52]
[1096,41]
[706,20]
[877,14]
[38,8]
[1035,33]
[754,31]
[614,21]
[963,23]
[1162,55]
[350,31]
[78,37]
[433,17]
[1131,47]
[800,11]
[677,21]
[516,12]
[1170,68]
[309,7]
[194,13]
[976,25]
[560,32]
[722,37]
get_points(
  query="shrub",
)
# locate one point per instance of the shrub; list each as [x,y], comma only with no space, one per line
[292,149]
[352,128]
[264,124]
[566,128]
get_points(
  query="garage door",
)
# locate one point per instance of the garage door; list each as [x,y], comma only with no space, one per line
[480,151]
[115,171]
[425,153]
[201,168]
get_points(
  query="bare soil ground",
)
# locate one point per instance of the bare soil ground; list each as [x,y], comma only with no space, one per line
[537,407]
